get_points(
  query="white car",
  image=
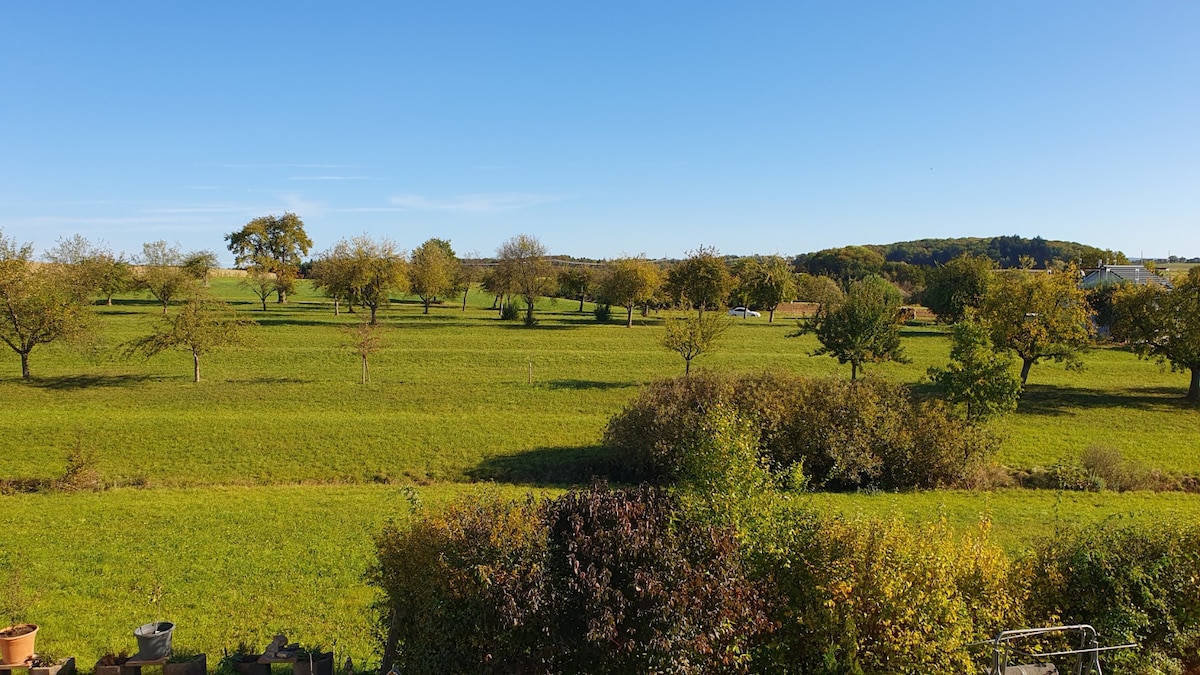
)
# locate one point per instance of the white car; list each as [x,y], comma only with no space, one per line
[742,312]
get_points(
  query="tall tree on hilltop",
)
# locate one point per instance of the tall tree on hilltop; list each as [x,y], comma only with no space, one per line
[275,244]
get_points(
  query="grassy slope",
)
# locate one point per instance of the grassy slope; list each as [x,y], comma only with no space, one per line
[227,534]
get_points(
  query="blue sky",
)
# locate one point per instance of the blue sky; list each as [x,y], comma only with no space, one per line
[604,128]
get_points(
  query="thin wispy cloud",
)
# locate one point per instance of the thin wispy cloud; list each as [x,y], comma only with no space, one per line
[330,178]
[474,203]
[286,165]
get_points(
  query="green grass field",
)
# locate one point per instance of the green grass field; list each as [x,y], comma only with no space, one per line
[265,483]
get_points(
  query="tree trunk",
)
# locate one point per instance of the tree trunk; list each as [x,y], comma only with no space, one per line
[264,303]
[373,320]
[1193,394]
[366,373]
[581,296]
[25,365]
[195,367]
[465,297]
[853,370]
[426,301]
[109,302]
[771,316]
[629,319]
[687,367]
[164,302]
[336,307]
[282,295]
[1025,364]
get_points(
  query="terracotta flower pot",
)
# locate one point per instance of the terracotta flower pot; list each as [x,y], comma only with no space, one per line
[16,643]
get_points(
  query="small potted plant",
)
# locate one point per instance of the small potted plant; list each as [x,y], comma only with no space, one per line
[18,637]
[186,663]
[113,663]
[243,660]
[313,661]
[49,664]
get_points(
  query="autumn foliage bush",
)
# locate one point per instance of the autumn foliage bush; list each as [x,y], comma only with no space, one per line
[598,581]
[844,435]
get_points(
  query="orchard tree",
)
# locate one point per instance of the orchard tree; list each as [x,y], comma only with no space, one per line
[764,283]
[1163,324]
[364,339]
[522,262]
[261,283]
[469,272]
[694,335]
[376,270]
[576,281]
[433,271]
[274,244]
[90,269]
[161,273]
[40,303]
[978,377]
[203,325]
[959,285]
[823,291]
[863,328]
[1038,315]
[331,273]
[701,280]
[630,282]
[200,264]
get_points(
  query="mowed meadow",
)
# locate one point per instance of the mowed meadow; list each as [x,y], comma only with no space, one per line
[247,503]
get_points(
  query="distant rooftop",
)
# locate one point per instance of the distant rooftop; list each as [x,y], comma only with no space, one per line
[1118,274]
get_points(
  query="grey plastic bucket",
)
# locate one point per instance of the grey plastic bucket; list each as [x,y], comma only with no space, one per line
[154,640]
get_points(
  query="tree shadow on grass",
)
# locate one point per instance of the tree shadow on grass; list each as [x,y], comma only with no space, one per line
[262,319]
[562,467]
[1040,399]
[267,380]
[72,382]
[586,384]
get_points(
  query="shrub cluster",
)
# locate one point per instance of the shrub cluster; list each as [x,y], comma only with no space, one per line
[620,581]
[845,435]
[600,581]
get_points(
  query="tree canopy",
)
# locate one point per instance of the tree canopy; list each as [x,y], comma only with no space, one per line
[1038,315]
[953,288]
[275,244]
[202,325]
[525,270]
[1163,324]
[977,378]
[694,335]
[764,282]
[433,271]
[864,327]
[161,272]
[702,280]
[38,304]
[629,282]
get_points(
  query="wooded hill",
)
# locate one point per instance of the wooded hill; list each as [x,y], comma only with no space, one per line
[1007,251]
